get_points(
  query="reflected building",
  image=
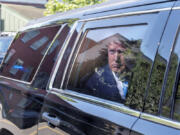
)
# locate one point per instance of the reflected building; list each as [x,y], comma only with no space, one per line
[19,61]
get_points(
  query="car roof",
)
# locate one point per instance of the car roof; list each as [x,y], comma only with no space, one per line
[89,10]
[121,4]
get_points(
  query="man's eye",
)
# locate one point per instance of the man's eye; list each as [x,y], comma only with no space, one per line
[115,51]
[112,51]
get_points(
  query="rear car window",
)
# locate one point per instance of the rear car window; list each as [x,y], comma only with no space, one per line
[26,52]
[46,67]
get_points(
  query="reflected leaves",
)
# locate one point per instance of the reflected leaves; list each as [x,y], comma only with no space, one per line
[136,91]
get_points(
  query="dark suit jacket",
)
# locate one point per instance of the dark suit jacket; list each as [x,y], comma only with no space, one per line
[103,85]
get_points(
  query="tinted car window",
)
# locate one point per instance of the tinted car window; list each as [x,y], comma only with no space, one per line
[172,75]
[44,72]
[58,77]
[153,98]
[173,84]
[162,81]
[100,58]
[24,55]
[176,115]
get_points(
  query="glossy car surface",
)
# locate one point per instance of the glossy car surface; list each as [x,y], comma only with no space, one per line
[54,78]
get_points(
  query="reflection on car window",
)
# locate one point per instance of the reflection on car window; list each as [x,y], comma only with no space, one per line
[45,69]
[36,45]
[155,87]
[159,100]
[24,55]
[176,115]
[30,35]
[17,65]
[171,78]
[171,84]
[64,60]
[112,64]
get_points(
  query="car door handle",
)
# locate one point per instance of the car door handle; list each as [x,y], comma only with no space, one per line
[55,121]
[51,119]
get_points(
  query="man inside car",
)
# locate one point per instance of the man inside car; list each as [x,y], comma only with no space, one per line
[111,81]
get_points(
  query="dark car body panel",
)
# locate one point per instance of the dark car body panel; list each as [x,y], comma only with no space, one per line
[21,105]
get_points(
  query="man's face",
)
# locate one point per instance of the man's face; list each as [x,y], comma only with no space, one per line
[115,57]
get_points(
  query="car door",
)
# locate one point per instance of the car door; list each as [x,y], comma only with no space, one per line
[25,71]
[72,108]
[161,111]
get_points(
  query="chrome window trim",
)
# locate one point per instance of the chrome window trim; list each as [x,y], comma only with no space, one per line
[127,14]
[61,54]
[52,42]
[44,24]
[98,101]
[71,54]
[16,80]
[160,120]
[41,27]
[73,62]
[37,70]
[175,8]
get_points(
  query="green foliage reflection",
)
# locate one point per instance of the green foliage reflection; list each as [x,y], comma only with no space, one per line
[136,91]
[154,91]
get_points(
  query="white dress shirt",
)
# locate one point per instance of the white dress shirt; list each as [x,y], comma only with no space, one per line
[120,86]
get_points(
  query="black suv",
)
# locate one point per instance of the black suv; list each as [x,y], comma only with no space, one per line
[112,68]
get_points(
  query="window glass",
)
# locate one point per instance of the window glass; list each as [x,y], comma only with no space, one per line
[24,56]
[17,66]
[176,115]
[113,64]
[36,45]
[9,55]
[171,78]
[175,63]
[26,75]
[58,78]
[44,72]
[45,49]
[155,87]
[55,44]
[30,35]
[159,99]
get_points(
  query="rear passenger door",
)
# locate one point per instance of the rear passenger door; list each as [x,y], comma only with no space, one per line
[73,108]
[161,112]
[25,72]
